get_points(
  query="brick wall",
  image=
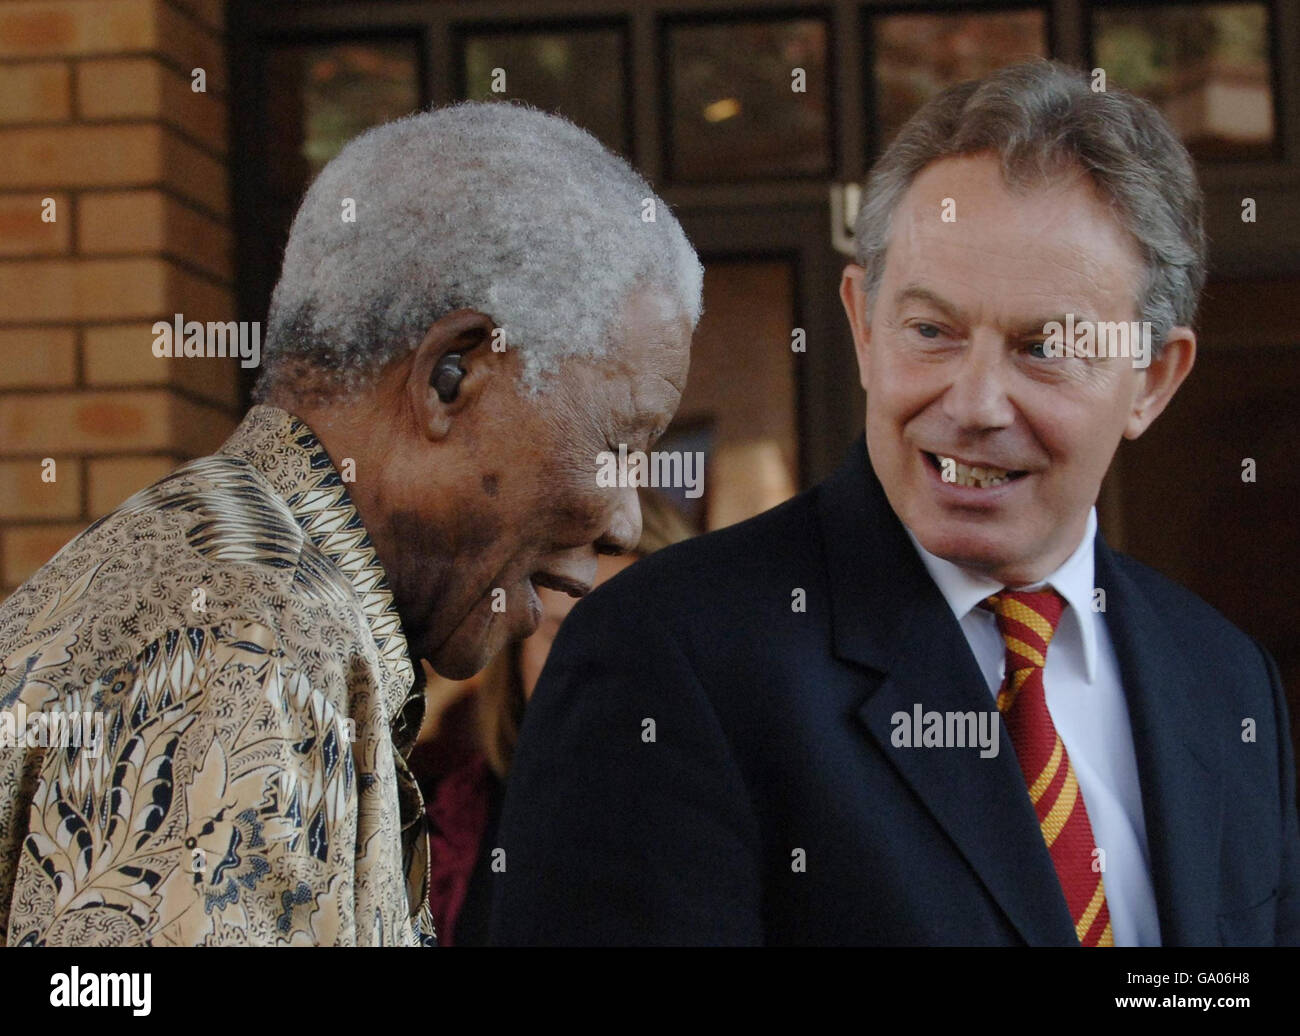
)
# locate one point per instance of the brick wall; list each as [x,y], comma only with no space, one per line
[98,113]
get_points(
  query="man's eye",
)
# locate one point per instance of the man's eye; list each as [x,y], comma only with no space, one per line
[927,330]
[1038,350]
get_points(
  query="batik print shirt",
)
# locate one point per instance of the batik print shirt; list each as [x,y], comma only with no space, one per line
[231,632]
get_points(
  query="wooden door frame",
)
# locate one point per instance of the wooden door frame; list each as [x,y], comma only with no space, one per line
[829,399]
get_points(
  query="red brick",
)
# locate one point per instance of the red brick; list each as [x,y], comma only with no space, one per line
[123,355]
[76,27]
[39,356]
[148,221]
[113,479]
[190,45]
[54,423]
[196,175]
[81,156]
[26,548]
[112,156]
[25,495]
[24,232]
[38,91]
[75,290]
[198,429]
[211,13]
[145,88]
[96,290]
[99,423]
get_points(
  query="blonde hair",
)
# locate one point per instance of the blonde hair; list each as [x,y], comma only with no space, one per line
[501,697]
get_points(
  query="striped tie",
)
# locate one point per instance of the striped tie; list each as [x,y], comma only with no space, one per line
[1027,622]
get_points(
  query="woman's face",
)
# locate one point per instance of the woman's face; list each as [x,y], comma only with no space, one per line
[555,606]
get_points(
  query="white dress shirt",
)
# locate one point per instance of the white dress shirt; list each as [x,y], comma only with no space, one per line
[1085,697]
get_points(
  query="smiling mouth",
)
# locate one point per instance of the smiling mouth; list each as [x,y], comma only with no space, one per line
[972,475]
[560,584]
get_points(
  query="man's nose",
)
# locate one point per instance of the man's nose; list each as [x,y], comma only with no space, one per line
[623,532]
[977,398]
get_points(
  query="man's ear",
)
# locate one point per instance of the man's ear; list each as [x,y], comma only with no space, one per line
[854,296]
[457,342]
[1161,380]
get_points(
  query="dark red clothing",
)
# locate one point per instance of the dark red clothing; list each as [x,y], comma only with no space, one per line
[458,814]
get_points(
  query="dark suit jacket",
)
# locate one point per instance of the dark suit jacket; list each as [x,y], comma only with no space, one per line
[771,734]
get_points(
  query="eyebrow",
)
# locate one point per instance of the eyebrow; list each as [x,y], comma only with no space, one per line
[918,293]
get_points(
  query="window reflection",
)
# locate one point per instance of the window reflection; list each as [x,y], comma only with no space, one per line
[578,73]
[1206,66]
[741,401]
[918,55]
[748,100]
[320,96]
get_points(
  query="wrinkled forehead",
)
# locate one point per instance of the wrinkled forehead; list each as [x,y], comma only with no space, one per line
[652,339]
[1055,243]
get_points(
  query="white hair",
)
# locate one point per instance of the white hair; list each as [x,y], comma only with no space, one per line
[491,206]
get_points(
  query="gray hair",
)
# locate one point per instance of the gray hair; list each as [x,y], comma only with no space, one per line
[491,206]
[1040,117]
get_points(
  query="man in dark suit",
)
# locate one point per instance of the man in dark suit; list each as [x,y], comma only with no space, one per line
[924,702]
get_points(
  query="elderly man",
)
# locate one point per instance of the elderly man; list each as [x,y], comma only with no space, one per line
[442,371]
[841,722]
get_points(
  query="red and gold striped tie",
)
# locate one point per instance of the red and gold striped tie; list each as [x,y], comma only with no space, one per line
[1027,622]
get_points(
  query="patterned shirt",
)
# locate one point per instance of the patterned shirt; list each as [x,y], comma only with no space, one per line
[206,704]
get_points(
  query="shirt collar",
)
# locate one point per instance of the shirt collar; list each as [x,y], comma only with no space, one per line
[290,457]
[1073,580]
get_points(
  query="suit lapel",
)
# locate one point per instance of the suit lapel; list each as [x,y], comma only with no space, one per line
[1178,758]
[888,616]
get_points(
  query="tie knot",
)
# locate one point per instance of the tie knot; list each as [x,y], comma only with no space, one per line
[1026,619]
